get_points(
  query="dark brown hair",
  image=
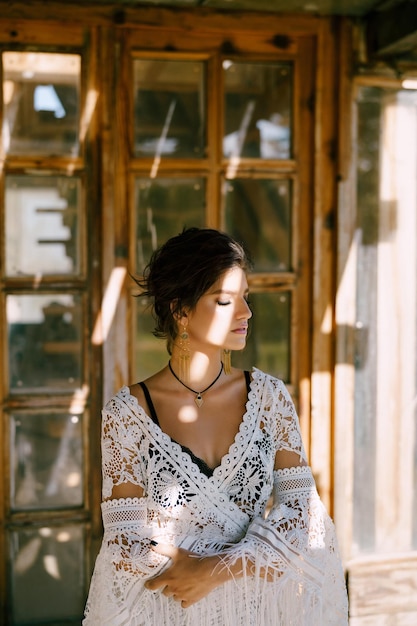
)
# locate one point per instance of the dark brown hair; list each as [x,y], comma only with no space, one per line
[183,269]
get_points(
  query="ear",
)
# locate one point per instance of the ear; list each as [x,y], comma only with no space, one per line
[179,316]
[174,310]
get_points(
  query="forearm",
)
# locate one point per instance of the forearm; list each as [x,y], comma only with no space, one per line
[127,537]
[216,568]
[189,577]
[222,569]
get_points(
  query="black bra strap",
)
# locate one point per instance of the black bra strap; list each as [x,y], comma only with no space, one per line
[150,403]
[248,381]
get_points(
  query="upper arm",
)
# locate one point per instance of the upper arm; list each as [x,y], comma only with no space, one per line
[288,442]
[126,490]
[121,445]
[288,458]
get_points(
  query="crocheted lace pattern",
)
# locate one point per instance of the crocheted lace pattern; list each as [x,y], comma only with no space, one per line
[296,576]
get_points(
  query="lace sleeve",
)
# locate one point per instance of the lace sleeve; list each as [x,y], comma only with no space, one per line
[293,554]
[124,563]
[121,447]
[286,429]
[292,551]
[127,535]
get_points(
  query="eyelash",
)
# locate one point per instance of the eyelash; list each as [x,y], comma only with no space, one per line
[248,302]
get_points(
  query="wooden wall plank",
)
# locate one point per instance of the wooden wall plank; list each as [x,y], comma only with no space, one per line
[345,311]
[383,586]
[396,329]
[14,32]
[230,42]
[384,619]
[196,19]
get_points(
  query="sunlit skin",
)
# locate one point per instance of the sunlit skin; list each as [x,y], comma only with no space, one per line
[219,320]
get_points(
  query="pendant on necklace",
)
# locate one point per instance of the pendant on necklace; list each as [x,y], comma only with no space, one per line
[198,400]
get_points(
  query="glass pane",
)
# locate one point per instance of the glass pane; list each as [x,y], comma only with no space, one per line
[47,574]
[385,436]
[170,108]
[45,460]
[164,206]
[258,212]
[150,352]
[257,104]
[42,225]
[41,94]
[44,341]
[268,346]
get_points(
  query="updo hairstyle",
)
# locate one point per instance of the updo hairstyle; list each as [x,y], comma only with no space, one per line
[182,270]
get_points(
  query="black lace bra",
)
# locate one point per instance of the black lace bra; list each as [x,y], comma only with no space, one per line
[204,468]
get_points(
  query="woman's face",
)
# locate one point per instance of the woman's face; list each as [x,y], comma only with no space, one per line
[220,318]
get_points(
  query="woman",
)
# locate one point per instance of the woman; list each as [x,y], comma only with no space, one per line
[210,512]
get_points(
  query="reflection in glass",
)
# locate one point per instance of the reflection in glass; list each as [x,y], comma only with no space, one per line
[268,346]
[45,460]
[44,342]
[42,225]
[258,212]
[164,206]
[47,575]
[169,108]
[258,102]
[41,94]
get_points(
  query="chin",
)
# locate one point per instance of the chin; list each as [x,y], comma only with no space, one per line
[238,347]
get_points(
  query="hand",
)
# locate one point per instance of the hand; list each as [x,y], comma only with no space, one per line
[188,578]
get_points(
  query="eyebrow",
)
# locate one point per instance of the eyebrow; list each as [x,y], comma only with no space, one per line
[227,291]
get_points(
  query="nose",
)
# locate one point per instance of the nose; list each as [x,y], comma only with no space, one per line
[244,310]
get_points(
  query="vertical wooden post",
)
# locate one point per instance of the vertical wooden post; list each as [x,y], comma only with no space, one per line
[345,289]
[324,261]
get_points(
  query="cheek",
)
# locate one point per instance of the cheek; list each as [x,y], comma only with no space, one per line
[220,323]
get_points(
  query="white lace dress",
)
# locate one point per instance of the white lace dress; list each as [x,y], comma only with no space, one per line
[224,512]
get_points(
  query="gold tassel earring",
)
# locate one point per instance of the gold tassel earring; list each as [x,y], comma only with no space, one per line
[184,355]
[227,361]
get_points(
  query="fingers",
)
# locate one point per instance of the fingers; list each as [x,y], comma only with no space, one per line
[168,593]
[159,582]
[165,549]
[170,581]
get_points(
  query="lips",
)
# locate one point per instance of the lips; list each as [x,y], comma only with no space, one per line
[242,330]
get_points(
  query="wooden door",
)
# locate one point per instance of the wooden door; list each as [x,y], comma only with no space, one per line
[115,136]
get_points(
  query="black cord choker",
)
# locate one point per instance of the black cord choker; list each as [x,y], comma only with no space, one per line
[199,394]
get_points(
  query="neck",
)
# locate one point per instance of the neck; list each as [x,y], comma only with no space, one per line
[203,368]
[198,393]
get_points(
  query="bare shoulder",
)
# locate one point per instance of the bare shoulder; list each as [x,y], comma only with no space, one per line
[137,392]
[153,383]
